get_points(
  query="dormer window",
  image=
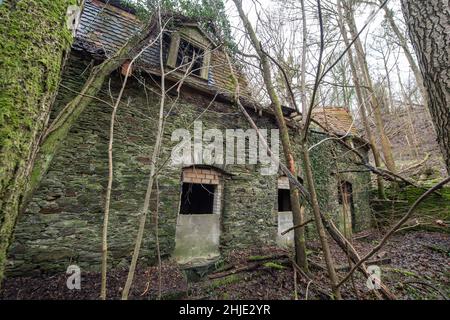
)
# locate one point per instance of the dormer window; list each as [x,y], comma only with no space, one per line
[189,55]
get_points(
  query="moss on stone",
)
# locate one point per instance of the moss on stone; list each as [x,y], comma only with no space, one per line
[217,283]
[435,207]
[256,258]
[274,265]
[33,40]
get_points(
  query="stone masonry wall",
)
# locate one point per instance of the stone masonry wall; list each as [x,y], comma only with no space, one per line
[62,223]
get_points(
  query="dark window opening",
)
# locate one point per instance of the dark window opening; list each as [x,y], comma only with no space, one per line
[345,193]
[190,57]
[197,198]
[284,200]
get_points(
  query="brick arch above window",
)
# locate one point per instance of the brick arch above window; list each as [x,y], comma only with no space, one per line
[202,191]
[201,175]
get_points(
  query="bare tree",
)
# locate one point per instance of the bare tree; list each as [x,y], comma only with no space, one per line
[389,16]
[361,61]
[362,107]
[284,133]
[276,106]
[152,175]
[110,167]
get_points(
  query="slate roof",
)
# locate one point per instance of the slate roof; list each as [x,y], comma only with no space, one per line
[104,28]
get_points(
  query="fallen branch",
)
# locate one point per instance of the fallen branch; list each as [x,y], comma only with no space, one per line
[249,267]
[234,271]
[362,236]
[297,226]
[427,285]
[266,258]
[416,224]
[395,227]
[380,261]
[320,289]
[416,165]
[351,252]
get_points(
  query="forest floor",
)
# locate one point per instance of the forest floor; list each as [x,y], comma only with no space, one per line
[414,265]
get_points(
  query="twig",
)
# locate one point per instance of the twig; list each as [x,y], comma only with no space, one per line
[307,289]
[295,284]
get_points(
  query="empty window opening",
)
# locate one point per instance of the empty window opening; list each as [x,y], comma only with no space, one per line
[197,198]
[190,57]
[284,200]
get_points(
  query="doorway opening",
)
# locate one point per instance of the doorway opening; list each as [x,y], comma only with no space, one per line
[345,197]
[197,233]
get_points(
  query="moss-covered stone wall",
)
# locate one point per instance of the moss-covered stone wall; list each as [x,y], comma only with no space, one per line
[332,163]
[62,223]
[33,42]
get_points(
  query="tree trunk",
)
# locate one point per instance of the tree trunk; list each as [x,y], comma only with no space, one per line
[34,41]
[361,102]
[108,200]
[429,28]
[376,108]
[299,240]
[404,44]
[411,132]
[319,224]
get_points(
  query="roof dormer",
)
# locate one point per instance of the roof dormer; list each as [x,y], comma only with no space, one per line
[190,51]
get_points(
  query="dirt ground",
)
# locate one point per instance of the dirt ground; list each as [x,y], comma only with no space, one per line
[415,265]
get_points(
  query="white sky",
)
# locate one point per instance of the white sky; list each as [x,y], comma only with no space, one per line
[397,59]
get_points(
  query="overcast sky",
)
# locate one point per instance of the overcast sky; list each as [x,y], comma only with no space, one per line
[361,16]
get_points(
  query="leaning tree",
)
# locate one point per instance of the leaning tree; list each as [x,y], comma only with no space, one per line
[34,38]
[429,28]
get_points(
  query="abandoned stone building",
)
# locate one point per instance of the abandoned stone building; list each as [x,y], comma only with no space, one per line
[204,210]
